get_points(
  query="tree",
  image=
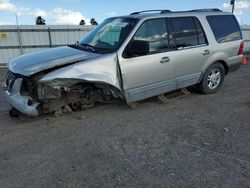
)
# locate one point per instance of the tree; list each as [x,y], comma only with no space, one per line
[93,21]
[40,21]
[82,22]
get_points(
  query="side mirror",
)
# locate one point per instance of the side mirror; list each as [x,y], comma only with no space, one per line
[137,48]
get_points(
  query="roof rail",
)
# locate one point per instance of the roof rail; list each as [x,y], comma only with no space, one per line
[169,11]
[207,10]
[145,11]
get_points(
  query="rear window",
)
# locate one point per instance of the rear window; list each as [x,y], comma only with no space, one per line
[225,28]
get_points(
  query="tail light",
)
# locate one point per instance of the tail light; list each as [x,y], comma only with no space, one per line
[240,52]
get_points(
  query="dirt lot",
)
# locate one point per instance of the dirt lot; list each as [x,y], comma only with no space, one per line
[194,141]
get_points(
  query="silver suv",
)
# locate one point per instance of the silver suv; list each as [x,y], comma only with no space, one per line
[132,57]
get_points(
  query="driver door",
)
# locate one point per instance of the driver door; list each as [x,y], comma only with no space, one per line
[151,73]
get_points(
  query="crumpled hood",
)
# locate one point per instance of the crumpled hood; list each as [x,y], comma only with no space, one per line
[35,62]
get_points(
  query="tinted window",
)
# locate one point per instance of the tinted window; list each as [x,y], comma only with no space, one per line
[155,32]
[200,32]
[185,32]
[225,28]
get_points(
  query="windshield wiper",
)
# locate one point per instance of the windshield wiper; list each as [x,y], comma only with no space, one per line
[88,46]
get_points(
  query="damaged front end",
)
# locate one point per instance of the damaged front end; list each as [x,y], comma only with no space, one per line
[75,94]
[77,86]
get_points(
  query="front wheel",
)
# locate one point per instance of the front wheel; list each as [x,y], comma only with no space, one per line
[212,79]
[14,113]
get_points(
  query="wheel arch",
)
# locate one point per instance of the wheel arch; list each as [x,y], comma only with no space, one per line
[67,83]
[223,62]
[203,84]
[224,65]
[220,57]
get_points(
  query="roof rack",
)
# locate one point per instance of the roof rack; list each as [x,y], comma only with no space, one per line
[145,11]
[169,11]
[206,10]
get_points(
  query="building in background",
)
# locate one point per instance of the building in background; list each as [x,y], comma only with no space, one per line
[15,41]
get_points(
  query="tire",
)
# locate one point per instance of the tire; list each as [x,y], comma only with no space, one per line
[212,79]
[14,113]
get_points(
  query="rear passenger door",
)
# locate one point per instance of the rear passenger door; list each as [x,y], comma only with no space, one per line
[192,50]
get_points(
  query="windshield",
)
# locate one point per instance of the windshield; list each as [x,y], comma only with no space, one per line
[109,35]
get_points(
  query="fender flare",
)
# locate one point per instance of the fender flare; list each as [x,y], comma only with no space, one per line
[218,57]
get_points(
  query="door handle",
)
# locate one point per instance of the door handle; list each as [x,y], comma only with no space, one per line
[206,52]
[165,60]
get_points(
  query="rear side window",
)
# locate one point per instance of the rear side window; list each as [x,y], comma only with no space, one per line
[188,32]
[225,28]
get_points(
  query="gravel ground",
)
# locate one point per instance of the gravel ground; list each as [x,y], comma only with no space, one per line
[193,141]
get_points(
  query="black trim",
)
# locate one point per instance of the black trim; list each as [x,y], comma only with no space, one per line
[172,32]
[196,28]
[205,35]
[234,67]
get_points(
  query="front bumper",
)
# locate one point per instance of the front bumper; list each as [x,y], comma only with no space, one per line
[23,104]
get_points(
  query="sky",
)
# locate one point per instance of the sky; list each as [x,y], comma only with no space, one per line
[65,12]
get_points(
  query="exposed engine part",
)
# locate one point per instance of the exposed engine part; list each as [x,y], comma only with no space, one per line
[74,97]
[46,92]
[66,109]
[58,113]
[78,97]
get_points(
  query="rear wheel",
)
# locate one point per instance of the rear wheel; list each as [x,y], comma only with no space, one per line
[212,79]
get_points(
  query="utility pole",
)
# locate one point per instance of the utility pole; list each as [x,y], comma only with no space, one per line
[19,35]
[233,5]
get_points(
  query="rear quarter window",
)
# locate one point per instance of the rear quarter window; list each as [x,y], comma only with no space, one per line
[225,28]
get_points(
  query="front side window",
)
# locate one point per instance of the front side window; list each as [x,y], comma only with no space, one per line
[155,33]
[225,28]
